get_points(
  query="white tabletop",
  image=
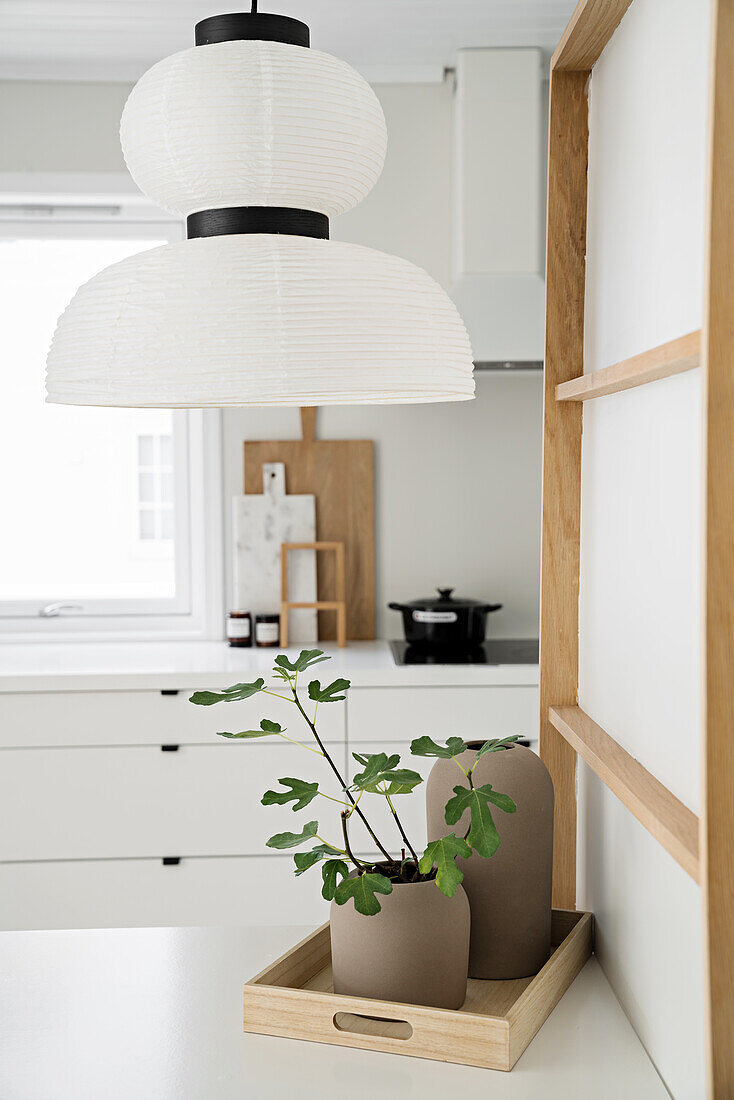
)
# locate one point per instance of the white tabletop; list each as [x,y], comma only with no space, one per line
[156,1014]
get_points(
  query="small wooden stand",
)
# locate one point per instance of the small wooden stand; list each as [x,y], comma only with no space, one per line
[339,604]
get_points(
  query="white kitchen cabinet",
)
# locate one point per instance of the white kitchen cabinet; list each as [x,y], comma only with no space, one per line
[96,803]
[114,893]
[474,713]
[90,803]
[60,718]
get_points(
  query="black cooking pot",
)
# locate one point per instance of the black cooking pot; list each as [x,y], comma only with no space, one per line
[445,622]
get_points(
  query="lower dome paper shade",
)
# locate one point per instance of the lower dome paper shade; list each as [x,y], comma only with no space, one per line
[259,319]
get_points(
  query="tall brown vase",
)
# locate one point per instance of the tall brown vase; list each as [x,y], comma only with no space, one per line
[510,893]
[415,951]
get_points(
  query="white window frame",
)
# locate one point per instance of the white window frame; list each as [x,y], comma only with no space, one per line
[197,610]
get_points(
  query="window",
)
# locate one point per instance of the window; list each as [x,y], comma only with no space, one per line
[97,503]
[155,490]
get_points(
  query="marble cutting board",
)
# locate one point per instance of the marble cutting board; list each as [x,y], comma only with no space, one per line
[260,525]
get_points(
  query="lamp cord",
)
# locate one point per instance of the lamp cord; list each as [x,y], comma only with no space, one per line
[253,10]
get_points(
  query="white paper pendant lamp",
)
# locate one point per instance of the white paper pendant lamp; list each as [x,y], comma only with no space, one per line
[258,141]
[253,124]
[293,321]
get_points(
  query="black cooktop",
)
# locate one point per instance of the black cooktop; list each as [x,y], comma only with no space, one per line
[496,651]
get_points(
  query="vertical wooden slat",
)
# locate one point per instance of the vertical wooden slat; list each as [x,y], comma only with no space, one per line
[564,359]
[717,819]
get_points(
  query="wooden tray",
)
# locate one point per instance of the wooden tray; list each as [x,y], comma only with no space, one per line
[294,998]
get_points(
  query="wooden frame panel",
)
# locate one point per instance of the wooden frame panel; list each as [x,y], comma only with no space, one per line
[664,816]
[589,30]
[717,820]
[674,357]
[561,526]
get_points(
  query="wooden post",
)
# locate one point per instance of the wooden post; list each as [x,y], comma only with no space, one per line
[308,424]
[561,527]
[717,360]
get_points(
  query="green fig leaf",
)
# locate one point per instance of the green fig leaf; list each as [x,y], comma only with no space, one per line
[442,854]
[329,694]
[230,695]
[292,840]
[426,746]
[333,872]
[305,860]
[363,888]
[497,744]
[271,727]
[243,735]
[374,764]
[482,835]
[400,781]
[300,794]
[304,660]
[266,729]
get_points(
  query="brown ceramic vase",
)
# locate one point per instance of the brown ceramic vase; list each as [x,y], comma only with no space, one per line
[510,893]
[415,951]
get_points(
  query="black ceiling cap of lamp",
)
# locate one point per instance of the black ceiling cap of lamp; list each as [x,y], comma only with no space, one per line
[257,219]
[252,26]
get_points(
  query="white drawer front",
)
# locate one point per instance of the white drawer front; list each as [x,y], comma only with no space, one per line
[400,714]
[143,718]
[92,803]
[137,893]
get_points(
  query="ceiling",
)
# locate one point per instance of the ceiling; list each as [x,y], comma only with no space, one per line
[387,40]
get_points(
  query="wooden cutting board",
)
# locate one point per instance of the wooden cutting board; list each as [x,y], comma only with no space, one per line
[340,474]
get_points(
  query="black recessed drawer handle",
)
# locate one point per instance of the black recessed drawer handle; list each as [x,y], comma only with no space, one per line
[169,691]
[171,861]
[170,748]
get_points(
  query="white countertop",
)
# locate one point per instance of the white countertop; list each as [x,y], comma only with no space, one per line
[106,666]
[156,1014]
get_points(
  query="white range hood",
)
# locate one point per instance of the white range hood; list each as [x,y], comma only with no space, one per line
[498,203]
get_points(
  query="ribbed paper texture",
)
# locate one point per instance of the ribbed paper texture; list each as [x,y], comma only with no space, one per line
[259,320]
[253,124]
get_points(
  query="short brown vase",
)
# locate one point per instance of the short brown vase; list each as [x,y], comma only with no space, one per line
[415,951]
[509,893]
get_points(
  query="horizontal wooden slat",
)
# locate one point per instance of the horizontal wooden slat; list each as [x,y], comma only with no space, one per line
[320,605]
[654,806]
[588,30]
[675,357]
[672,358]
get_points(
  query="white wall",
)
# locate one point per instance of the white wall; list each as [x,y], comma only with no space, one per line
[641,507]
[60,127]
[457,493]
[457,485]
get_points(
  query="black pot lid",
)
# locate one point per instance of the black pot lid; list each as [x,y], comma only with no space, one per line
[445,601]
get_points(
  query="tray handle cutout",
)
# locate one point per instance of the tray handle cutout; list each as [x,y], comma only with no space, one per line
[378,1026]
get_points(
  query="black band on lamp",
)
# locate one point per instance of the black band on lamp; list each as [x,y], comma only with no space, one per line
[252,26]
[257,219]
